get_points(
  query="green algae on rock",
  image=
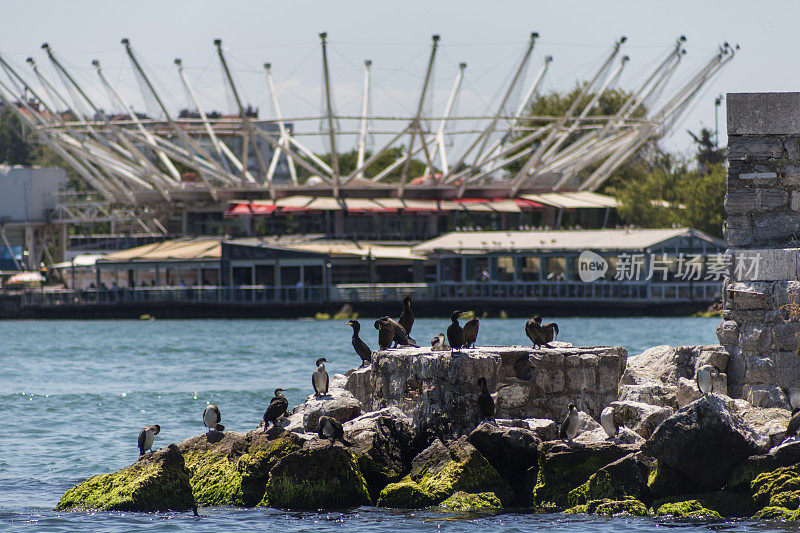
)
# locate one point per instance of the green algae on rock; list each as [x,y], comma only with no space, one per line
[464,501]
[156,482]
[610,507]
[688,509]
[777,513]
[405,494]
[771,488]
[563,467]
[316,477]
[623,479]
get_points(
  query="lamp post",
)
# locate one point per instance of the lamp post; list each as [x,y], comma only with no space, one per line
[717,103]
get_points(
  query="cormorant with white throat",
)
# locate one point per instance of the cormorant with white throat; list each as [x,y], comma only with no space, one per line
[570,425]
[320,378]
[611,421]
[438,344]
[211,418]
[705,378]
[331,429]
[146,437]
[485,401]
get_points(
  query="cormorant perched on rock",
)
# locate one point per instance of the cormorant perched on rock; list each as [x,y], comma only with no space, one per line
[278,407]
[211,418]
[385,334]
[611,421]
[400,336]
[791,429]
[570,425]
[485,401]
[331,429]
[407,315]
[359,345]
[534,331]
[705,378]
[455,335]
[146,437]
[320,378]
[438,344]
[470,332]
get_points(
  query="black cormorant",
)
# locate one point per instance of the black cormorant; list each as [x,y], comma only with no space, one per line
[535,331]
[211,418]
[146,437]
[385,334]
[359,345]
[470,332]
[455,335]
[407,315]
[485,401]
[331,429]
[320,378]
[570,425]
[400,337]
[278,407]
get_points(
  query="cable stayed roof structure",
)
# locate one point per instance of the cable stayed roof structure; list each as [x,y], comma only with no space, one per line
[135,160]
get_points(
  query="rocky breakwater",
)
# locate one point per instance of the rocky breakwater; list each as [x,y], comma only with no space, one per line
[439,391]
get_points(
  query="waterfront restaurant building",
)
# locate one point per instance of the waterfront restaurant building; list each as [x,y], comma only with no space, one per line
[637,266]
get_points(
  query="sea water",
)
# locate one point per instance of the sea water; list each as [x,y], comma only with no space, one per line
[74,395]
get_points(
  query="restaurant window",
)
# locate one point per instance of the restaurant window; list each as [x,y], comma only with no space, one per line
[265,275]
[477,269]
[528,268]
[312,275]
[451,269]
[290,276]
[243,275]
[556,268]
[504,268]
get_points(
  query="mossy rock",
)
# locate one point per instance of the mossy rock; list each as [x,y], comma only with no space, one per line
[564,467]
[316,477]
[255,466]
[441,471]
[405,494]
[743,475]
[688,509]
[777,513]
[464,501]
[727,504]
[608,507]
[769,485]
[623,479]
[156,482]
[666,481]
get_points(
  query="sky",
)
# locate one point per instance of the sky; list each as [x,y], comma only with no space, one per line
[489,36]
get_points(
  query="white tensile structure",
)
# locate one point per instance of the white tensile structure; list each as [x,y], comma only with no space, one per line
[132,161]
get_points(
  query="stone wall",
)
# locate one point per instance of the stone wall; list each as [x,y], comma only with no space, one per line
[528,383]
[761,301]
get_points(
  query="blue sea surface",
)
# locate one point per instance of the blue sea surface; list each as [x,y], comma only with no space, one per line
[74,395]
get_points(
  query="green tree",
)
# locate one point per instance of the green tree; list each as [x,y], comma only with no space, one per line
[13,148]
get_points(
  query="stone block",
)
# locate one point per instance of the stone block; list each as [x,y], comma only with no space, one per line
[765,396]
[740,202]
[728,332]
[737,237]
[760,370]
[749,295]
[741,148]
[767,264]
[769,199]
[786,336]
[795,203]
[790,174]
[787,297]
[759,178]
[763,113]
[788,369]
[783,227]
[739,222]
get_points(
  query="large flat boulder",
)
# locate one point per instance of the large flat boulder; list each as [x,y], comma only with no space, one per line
[338,403]
[641,417]
[439,391]
[623,479]
[155,482]
[701,443]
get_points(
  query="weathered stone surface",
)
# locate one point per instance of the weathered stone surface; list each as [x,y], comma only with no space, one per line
[384,445]
[762,114]
[338,403]
[641,417]
[439,391]
[687,390]
[763,395]
[688,509]
[652,393]
[564,466]
[316,477]
[607,507]
[544,428]
[156,482]
[513,452]
[358,383]
[690,442]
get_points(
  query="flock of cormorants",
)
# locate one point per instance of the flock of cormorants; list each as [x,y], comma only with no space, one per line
[396,333]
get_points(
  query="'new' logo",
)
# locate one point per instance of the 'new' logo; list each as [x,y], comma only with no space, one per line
[591,266]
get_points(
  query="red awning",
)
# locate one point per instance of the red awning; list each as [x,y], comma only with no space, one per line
[249,210]
[522,202]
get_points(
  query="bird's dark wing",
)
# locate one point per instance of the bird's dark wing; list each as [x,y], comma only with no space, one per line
[563,432]
[326,384]
[618,422]
[219,415]
[143,435]
[794,425]
[314,384]
[362,349]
